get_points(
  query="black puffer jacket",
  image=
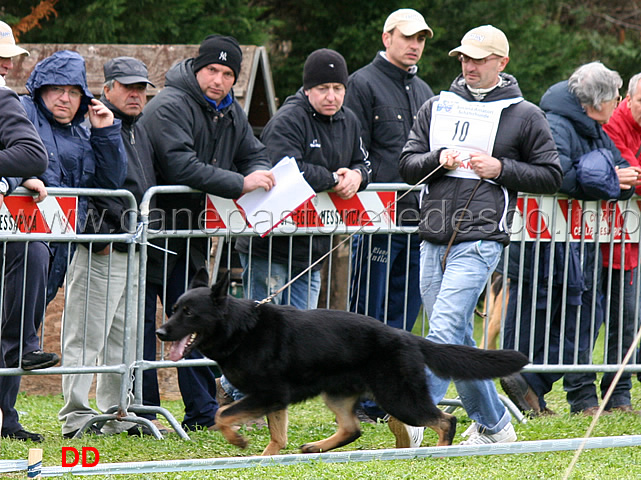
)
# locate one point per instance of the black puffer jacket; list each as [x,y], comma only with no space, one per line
[386,99]
[530,163]
[321,145]
[197,146]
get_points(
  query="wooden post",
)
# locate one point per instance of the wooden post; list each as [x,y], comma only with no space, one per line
[34,464]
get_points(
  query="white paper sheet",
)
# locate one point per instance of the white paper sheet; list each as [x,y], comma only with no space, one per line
[265,210]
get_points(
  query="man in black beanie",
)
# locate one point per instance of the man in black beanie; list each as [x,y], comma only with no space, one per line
[324,137]
[201,138]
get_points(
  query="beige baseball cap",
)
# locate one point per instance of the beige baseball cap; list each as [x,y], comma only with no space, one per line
[408,21]
[8,47]
[483,41]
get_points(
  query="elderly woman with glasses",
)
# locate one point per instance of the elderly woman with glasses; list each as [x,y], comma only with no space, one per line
[593,169]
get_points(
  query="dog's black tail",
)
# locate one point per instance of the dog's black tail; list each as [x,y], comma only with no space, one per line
[468,363]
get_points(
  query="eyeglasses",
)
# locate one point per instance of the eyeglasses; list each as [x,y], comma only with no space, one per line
[476,61]
[58,92]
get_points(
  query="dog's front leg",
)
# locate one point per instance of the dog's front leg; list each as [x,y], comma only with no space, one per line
[277,422]
[226,424]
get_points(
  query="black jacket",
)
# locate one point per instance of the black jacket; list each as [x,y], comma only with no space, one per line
[197,146]
[110,214]
[321,145]
[22,153]
[386,99]
[530,163]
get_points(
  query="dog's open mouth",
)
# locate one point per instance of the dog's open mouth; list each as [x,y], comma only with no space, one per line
[182,348]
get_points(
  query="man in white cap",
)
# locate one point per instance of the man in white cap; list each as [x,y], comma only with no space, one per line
[385,95]
[480,143]
[22,155]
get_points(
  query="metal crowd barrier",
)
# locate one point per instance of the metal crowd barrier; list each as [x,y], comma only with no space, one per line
[539,221]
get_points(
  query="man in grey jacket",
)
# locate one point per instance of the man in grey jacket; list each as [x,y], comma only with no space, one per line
[201,138]
[475,147]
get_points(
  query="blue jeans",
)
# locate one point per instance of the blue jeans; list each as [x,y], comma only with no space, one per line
[261,281]
[449,298]
[394,300]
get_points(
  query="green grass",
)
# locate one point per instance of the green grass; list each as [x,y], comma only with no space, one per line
[311,421]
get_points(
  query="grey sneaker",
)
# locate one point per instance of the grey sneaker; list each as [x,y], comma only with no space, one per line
[476,437]
[407,436]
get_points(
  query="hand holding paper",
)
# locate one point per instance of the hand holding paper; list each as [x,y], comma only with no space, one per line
[264,210]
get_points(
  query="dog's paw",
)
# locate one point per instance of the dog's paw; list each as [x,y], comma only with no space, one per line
[310,448]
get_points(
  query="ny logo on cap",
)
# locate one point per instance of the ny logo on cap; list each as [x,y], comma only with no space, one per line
[222,56]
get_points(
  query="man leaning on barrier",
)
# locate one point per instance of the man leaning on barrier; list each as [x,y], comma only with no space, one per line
[593,169]
[99,334]
[201,138]
[78,156]
[476,169]
[22,155]
[324,137]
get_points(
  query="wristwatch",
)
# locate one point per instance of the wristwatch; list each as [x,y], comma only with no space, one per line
[335,175]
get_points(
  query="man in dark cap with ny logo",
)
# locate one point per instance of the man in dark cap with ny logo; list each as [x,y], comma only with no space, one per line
[201,138]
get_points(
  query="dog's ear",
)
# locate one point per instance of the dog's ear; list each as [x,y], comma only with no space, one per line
[201,279]
[221,288]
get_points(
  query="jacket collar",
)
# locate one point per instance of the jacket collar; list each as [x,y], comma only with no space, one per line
[392,71]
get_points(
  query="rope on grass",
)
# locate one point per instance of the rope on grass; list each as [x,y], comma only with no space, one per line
[605,401]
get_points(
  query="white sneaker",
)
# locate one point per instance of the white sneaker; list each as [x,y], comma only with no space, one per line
[505,435]
[407,436]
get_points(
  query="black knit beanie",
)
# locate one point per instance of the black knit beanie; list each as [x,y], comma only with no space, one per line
[324,66]
[219,49]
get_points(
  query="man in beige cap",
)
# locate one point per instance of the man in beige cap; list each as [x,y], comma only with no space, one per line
[8,50]
[385,95]
[480,143]
[22,155]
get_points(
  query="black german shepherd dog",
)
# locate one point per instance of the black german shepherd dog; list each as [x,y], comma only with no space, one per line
[278,355]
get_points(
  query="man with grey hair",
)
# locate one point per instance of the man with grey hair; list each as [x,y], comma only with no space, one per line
[101,330]
[593,170]
[480,144]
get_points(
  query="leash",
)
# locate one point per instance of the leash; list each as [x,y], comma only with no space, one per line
[281,289]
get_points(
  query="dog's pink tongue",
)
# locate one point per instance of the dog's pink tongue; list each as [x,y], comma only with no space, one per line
[178,349]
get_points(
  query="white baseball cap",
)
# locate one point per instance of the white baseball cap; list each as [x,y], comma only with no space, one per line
[408,21]
[8,47]
[483,41]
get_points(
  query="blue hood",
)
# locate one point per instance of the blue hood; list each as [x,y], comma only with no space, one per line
[560,101]
[62,68]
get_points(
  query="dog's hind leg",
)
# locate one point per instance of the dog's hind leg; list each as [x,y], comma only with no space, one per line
[348,425]
[445,427]
[277,422]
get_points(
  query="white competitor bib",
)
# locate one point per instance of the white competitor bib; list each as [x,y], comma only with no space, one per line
[468,127]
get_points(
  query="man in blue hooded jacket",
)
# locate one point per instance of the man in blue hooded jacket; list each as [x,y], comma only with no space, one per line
[78,157]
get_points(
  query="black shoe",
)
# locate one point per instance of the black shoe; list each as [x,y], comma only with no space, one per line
[363,417]
[36,360]
[520,392]
[93,430]
[139,430]
[24,436]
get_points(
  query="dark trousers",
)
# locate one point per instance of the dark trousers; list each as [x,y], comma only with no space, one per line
[197,384]
[368,289]
[368,292]
[581,394]
[19,336]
